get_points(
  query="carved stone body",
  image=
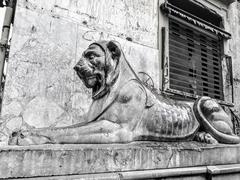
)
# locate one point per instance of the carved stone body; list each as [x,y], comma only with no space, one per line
[125,110]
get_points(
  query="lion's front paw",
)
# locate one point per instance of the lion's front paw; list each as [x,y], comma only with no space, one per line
[13,138]
[20,138]
[26,138]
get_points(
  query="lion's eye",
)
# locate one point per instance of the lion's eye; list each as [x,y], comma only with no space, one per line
[91,56]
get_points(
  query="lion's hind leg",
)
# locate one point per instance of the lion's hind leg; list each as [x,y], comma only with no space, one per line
[205,138]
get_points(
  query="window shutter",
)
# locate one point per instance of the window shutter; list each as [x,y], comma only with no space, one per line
[194,61]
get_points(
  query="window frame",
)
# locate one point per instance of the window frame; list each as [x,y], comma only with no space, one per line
[165,64]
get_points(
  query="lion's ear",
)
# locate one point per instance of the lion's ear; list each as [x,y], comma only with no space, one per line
[114,49]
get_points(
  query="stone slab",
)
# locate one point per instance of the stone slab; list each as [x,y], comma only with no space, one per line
[53,160]
[222,172]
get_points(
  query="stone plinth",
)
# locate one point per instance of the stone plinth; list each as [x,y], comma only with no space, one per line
[56,160]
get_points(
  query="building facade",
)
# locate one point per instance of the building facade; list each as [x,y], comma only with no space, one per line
[185,50]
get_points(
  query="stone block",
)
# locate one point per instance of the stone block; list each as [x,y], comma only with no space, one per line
[14,123]
[40,112]
[53,160]
[14,108]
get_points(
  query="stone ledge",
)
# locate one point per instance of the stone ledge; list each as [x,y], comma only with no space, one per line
[69,159]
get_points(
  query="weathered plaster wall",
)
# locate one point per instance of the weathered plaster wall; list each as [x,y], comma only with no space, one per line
[49,36]
[234,19]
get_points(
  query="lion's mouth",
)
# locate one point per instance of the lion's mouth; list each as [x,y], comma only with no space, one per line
[94,81]
[91,81]
[98,86]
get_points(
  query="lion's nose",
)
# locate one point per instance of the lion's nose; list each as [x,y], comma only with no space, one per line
[77,68]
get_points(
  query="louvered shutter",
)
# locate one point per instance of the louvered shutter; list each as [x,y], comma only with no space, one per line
[194,61]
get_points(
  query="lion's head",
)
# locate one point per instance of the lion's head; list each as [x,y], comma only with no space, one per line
[98,67]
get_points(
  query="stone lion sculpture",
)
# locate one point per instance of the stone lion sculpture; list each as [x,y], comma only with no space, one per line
[125,110]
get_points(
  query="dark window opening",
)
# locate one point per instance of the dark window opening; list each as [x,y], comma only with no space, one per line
[195,61]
